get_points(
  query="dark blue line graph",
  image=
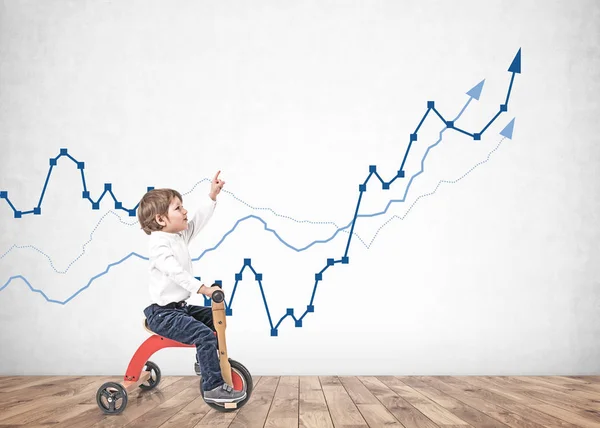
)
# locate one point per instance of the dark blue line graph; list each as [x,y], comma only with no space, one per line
[507,132]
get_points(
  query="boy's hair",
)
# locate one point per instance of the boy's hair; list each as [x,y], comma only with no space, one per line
[155,202]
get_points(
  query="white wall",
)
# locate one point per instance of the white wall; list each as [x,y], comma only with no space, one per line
[494,273]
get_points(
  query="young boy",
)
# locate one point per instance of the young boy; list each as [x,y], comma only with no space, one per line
[162,216]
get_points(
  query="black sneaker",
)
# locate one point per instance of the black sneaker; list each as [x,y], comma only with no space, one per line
[224,394]
[197,369]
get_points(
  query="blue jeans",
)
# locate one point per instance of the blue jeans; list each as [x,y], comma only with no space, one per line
[192,325]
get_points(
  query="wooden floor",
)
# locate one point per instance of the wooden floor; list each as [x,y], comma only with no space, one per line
[349,402]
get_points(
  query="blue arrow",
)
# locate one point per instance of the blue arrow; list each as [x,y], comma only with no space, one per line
[508,129]
[515,67]
[475,91]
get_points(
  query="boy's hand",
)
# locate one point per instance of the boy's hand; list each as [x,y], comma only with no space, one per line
[207,291]
[215,186]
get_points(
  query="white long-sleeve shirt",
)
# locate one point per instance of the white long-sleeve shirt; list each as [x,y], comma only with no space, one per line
[171,274]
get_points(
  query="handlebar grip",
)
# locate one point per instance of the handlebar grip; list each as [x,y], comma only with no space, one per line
[218,296]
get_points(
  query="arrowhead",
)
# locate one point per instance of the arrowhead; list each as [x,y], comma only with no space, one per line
[475,91]
[508,130]
[515,67]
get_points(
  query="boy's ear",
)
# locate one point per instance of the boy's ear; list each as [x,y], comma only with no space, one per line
[159,219]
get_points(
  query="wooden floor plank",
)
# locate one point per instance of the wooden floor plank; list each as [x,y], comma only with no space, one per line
[520,392]
[66,387]
[438,414]
[27,382]
[313,402]
[190,415]
[216,419]
[254,413]
[573,418]
[169,408]
[463,411]
[488,392]
[284,409]
[402,409]
[313,411]
[586,409]
[572,389]
[565,380]
[371,409]
[454,388]
[28,412]
[342,409]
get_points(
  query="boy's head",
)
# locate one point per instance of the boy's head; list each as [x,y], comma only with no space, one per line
[162,209]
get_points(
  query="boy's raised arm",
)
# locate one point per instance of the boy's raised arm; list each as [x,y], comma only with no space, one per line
[206,210]
[199,220]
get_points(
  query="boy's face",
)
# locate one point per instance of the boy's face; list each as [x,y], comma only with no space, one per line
[176,220]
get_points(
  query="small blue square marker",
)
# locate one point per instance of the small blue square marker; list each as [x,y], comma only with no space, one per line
[413,137]
[247,262]
[503,107]
[372,168]
[238,276]
[52,162]
[3,195]
[345,260]
[107,186]
[118,205]
[85,194]
[386,186]
[362,188]
[37,211]
[132,213]
[430,104]
[310,308]
[289,311]
[18,214]
[95,205]
[400,174]
[228,312]
[450,124]
[330,262]
[63,151]
[477,137]
[259,276]
[298,323]
[273,332]
[80,165]
[318,277]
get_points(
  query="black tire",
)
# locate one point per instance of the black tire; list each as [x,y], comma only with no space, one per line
[154,376]
[246,383]
[111,398]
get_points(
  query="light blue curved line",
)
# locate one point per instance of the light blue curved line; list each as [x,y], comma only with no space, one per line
[35,290]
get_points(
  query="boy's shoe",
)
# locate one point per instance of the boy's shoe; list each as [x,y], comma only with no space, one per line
[224,394]
[197,369]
